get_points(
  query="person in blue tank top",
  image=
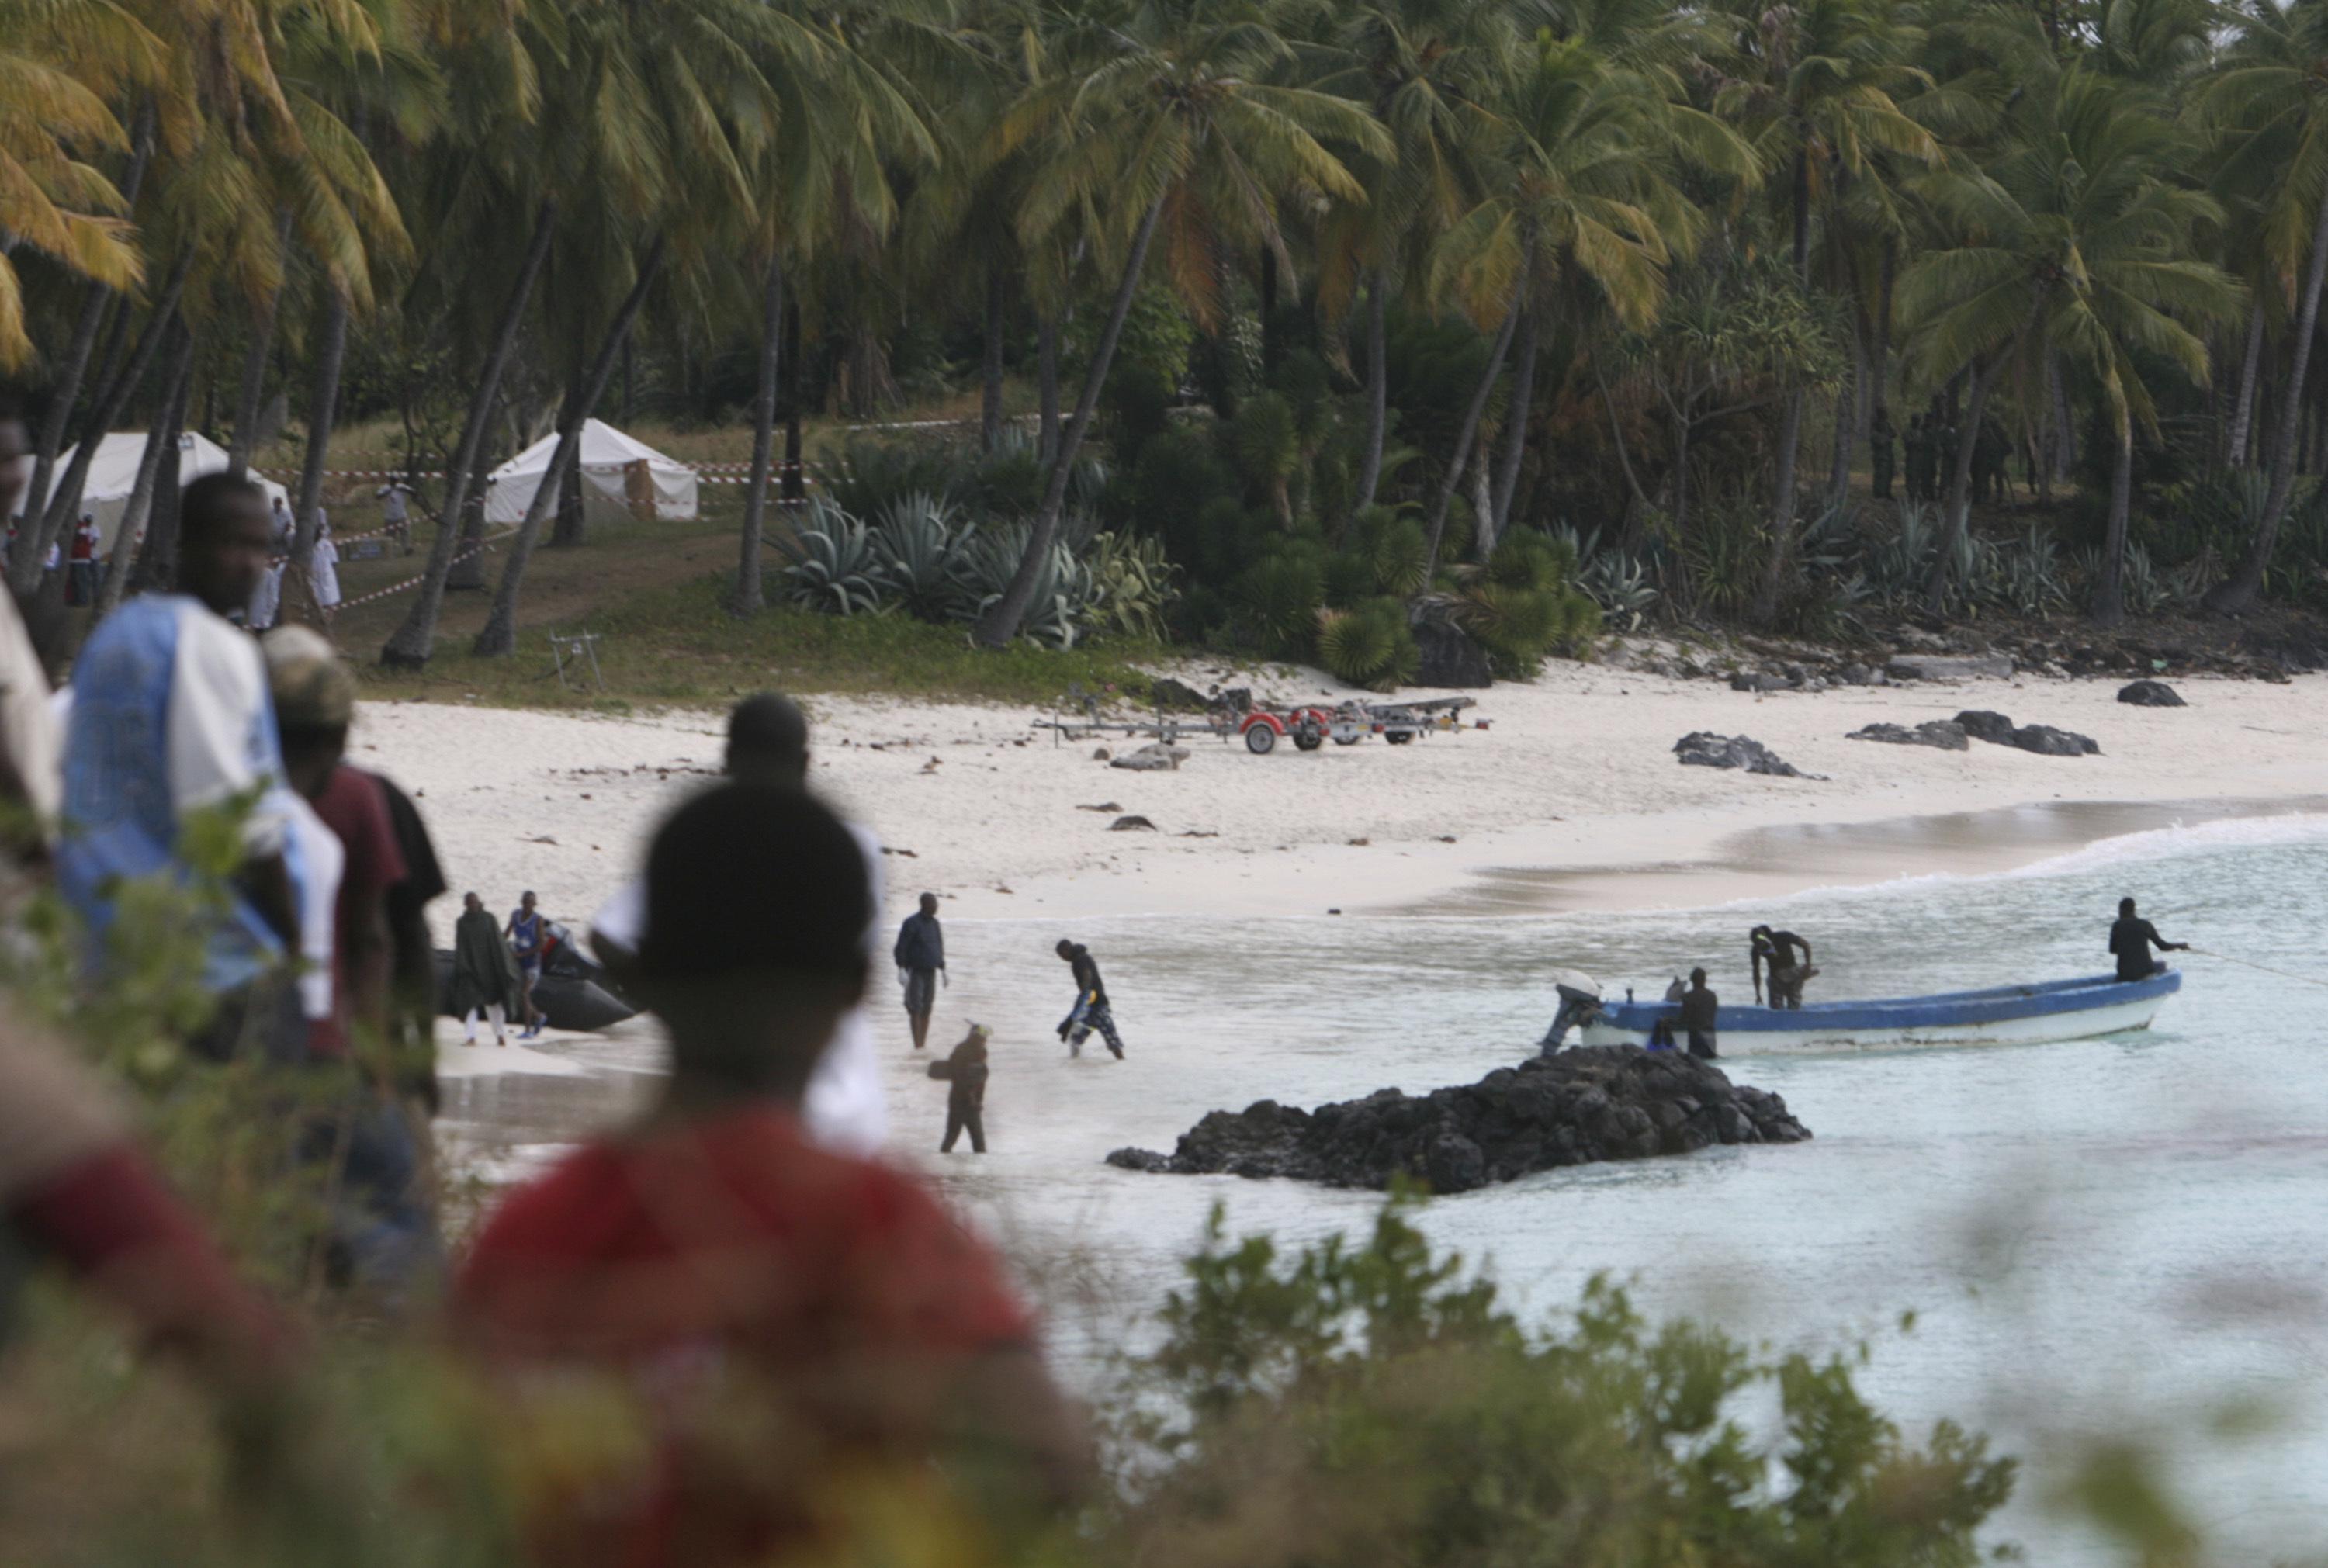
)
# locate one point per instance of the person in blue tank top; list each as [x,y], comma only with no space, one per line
[525,933]
[172,720]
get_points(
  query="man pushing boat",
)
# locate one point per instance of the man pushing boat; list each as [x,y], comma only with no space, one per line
[1789,958]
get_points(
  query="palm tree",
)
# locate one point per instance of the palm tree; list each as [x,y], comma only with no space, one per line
[2079,242]
[1818,96]
[1583,212]
[1430,71]
[2266,99]
[1161,119]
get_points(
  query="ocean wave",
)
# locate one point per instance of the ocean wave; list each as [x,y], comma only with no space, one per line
[2172,842]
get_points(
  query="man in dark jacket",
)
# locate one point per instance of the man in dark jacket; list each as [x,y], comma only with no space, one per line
[1090,1012]
[1700,1010]
[2131,940]
[920,958]
[484,972]
[966,1071]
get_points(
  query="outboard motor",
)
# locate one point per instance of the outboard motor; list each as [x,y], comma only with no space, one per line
[1580,1004]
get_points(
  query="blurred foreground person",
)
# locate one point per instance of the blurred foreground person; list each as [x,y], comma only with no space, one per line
[768,744]
[171,718]
[791,1321]
[74,1190]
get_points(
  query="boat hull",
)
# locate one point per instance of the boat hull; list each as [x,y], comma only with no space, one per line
[2074,1009]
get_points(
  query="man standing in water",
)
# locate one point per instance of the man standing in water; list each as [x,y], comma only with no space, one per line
[1090,1011]
[1700,1009]
[524,933]
[920,957]
[1789,958]
[2132,938]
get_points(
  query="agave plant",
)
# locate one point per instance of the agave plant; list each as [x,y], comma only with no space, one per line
[1617,582]
[1132,586]
[833,563]
[921,550]
[1062,586]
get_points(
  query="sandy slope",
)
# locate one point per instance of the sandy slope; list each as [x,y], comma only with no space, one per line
[1575,776]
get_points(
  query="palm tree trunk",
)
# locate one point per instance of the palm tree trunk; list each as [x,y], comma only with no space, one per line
[499,636]
[990,400]
[1957,503]
[64,502]
[1377,388]
[2064,456]
[252,386]
[1001,621]
[1466,434]
[160,447]
[323,410]
[412,642]
[1047,376]
[1847,420]
[1483,502]
[2238,594]
[795,486]
[1790,425]
[1880,351]
[2108,608]
[749,599]
[2235,444]
[1508,477]
[467,572]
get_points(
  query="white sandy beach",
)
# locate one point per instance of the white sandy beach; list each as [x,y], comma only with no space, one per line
[1575,781]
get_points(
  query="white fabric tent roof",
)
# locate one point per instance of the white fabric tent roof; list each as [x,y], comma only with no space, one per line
[622,477]
[113,474]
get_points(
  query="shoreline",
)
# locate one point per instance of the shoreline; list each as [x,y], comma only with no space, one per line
[1571,801]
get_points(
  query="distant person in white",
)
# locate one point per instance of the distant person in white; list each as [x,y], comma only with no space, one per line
[396,513]
[767,744]
[323,567]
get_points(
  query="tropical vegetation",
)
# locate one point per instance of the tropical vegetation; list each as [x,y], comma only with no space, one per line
[1278,288]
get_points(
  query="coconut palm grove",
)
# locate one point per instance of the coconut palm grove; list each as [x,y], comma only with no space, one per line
[1274,327]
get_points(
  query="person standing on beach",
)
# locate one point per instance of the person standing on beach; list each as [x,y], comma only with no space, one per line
[965,1070]
[845,1109]
[171,717]
[920,957]
[1789,958]
[2131,940]
[395,514]
[485,977]
[1090,1009]
[524,933]
[1880,450]
[1701,1009]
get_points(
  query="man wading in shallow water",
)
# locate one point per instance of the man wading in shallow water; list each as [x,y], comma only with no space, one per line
[1090,1011]
[1789,958]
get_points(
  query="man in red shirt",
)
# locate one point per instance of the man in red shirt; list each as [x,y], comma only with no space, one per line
[779,1315]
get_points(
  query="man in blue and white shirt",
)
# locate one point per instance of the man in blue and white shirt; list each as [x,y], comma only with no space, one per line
[170,718]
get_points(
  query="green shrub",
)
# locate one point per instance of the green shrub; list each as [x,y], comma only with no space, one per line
[1356,1405]
[1282,596]
[1371,644]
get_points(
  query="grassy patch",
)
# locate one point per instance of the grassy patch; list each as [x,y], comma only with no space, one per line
[676,644]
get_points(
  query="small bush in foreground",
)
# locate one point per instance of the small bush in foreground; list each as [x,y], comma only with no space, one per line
[1371,1405]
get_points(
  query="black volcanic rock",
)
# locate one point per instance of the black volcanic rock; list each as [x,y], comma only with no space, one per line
[2151,694]
[1599,1103]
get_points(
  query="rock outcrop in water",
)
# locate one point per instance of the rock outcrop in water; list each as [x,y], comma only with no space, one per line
[1599,1103]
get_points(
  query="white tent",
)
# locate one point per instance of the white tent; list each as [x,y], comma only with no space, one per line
[113,474]
[621,478]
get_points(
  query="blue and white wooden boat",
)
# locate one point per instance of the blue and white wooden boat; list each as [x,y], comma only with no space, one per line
[2060,1009]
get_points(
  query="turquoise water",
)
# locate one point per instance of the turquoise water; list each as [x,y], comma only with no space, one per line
[2106,1238]
[2100,1238]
